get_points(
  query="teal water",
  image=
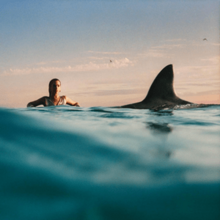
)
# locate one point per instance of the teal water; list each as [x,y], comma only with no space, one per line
[107,163]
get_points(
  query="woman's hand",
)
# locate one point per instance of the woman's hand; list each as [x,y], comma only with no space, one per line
[30,105]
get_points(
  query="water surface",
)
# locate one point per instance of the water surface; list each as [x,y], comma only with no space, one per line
[107,163]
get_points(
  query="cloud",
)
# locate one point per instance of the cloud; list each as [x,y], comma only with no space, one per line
[204,84]
[175,40]
[46,63]
[201,93]
[213,60]
[168,46]
[104,52]
[203,43]
[215,44]
[163,50]
[91,66]
[153,53]
[208,67]
[110,92]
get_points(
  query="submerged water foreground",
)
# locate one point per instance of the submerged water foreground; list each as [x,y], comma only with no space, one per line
[105,163]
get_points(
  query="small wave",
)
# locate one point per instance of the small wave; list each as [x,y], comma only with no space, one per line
[191,106]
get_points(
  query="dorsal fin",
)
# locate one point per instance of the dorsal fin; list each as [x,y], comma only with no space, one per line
[161,93]
[162,86]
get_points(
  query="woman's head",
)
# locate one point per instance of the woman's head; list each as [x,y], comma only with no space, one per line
[54,86]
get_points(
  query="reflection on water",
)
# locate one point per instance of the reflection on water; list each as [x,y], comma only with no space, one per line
[163,112]
[163,128]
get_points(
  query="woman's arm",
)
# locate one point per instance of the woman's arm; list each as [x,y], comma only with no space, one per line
[40,101]
[71,102]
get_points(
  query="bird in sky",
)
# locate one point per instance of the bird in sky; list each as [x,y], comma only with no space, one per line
[110,61]
[205,39]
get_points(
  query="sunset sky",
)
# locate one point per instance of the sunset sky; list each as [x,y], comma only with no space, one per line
[75,41]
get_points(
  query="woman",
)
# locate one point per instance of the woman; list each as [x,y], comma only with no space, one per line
[54,98]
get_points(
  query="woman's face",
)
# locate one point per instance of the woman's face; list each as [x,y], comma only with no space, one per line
[55,87]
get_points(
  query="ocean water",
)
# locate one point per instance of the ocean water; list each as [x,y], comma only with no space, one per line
[102,163]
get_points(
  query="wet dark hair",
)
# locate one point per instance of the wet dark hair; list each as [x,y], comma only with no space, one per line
[50,83]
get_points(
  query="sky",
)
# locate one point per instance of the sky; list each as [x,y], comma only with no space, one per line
[74,41]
